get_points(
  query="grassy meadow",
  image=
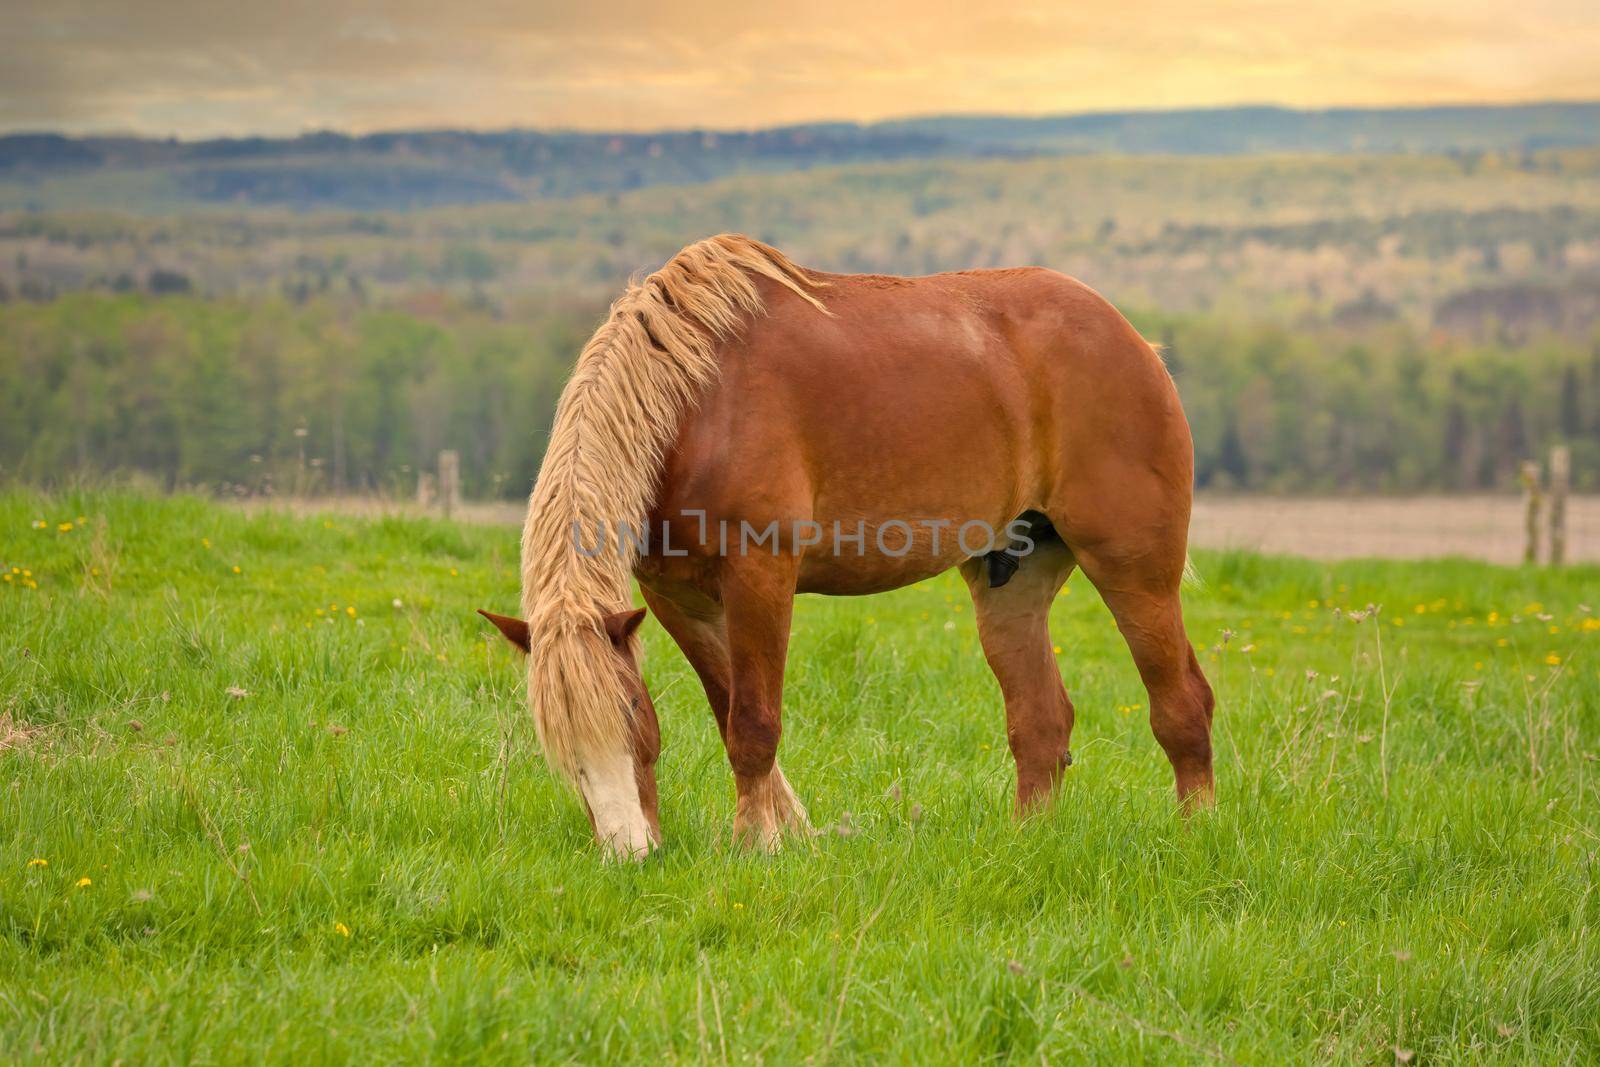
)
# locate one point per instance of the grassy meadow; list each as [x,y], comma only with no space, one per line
[270,792]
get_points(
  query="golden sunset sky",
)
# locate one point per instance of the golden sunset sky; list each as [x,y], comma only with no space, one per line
[222,67]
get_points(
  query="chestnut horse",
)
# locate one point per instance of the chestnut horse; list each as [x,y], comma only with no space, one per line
[735,410]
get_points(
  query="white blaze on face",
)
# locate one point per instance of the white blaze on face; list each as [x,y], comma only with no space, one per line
[612,794]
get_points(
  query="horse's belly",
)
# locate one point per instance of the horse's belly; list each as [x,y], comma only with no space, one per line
[858,557]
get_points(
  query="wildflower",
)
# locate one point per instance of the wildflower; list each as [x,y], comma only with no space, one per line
[738,906]
[82,520]
[39,524]
[1552,660]
[64,527]
[82,882]
[1056,649]
[1502,643]
[398,605]
[350,611]
[205,542]
[341,929]
[454,572]
[236,568]
[38,863]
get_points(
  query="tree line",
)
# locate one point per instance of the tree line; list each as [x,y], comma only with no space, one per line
[270,395]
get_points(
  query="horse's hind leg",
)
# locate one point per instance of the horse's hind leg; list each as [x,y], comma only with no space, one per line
[1138,571]
[1013,625]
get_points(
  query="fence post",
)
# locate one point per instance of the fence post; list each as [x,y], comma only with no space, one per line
[450,481]
[427,490]
[1560,482]
[1530,503]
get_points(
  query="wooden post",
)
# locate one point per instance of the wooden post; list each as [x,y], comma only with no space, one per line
[1560,482]
[427,490]
[1530,503]
[450,481]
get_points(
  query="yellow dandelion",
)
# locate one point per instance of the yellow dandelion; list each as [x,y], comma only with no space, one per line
[236,569]
[1056,649]
[341,929]
[1478,666]
[205,542]
[738,906]
[7,577]
[350,611]
[64,527]
[84,882]
[1552,660]
[1502,643]
[1313,604]
[38,863]
[1399,620]
[454,573]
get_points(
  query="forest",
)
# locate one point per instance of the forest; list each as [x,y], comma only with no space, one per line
[1393,323]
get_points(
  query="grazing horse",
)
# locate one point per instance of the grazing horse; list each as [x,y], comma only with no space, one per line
[741,429]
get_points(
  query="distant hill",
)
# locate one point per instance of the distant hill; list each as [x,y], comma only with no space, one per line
[430,168]
[1251,130]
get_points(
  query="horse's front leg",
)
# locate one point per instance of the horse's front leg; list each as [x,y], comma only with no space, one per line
[701,634]
[758,599]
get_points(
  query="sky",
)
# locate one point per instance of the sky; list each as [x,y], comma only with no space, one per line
[277,67]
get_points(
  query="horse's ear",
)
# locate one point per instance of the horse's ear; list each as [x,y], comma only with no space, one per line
[621,625]
[516,630]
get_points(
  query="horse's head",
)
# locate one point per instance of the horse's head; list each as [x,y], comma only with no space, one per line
[618,789]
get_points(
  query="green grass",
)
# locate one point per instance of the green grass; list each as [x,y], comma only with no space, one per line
[363,858]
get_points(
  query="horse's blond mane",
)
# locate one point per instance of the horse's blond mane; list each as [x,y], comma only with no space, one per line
[643,369]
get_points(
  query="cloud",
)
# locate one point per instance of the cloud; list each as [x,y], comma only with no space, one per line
[179,67]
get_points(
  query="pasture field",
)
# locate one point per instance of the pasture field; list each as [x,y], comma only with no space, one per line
[270,791]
